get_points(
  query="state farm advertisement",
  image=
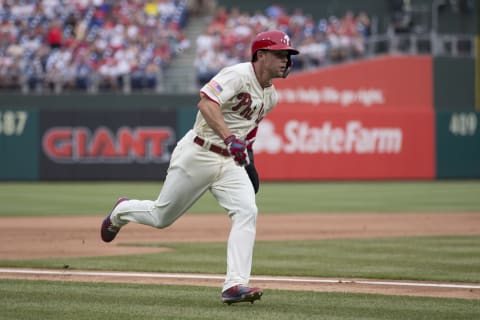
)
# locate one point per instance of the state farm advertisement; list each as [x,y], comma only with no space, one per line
[372,119]
[106,144]
[343,146]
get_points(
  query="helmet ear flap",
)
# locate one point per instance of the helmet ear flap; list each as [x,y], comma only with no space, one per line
[288,67]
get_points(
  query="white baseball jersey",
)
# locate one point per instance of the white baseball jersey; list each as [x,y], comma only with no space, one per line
[242,99]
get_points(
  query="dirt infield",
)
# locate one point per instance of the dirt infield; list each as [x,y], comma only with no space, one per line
[79,236]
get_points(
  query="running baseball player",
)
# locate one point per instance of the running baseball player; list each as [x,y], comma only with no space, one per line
[216,156]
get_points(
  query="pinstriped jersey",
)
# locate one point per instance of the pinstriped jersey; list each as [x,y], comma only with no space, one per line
[241,99]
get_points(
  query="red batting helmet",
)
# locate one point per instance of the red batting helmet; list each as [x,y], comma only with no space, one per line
[274,40]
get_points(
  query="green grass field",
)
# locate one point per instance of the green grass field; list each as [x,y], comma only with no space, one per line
[83,198]
[33,300]
[452,258]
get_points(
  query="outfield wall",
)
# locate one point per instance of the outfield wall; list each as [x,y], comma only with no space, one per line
[367,120]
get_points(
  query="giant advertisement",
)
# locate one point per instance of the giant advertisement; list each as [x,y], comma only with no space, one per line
[106,144]
[367,120]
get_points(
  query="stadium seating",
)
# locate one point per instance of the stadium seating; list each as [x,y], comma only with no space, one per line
[57,45]
[106,45]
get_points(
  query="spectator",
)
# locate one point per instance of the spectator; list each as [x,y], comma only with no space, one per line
[152,72]
[364,24]
[206,66]
[54,36]
[337,38]
[33,71]
[207,40]
[84,69]
[314,51]
[356,45]
[108,71]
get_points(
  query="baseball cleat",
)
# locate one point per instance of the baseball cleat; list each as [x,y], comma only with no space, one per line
[241,293]
[108,230]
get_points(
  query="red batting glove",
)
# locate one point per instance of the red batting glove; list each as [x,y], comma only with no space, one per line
[237,149]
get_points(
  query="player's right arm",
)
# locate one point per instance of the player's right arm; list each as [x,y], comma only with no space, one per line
[212,114]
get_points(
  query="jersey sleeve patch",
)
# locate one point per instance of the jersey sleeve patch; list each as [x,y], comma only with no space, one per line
[217,88]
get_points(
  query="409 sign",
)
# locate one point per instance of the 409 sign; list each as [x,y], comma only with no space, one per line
[463,124]
[12,123]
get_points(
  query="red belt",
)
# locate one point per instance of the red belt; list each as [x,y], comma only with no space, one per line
[224,152]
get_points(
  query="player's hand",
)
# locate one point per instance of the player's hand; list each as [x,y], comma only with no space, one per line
[238,150]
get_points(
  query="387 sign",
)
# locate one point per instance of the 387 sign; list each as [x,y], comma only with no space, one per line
[12,123]
[18,144]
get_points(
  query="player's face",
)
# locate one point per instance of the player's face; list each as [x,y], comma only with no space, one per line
[276,62]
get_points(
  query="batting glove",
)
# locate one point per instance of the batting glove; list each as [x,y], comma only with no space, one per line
[237,149]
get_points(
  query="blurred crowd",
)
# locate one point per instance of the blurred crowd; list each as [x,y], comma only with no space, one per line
[227,39]
[48,44]
[56,45]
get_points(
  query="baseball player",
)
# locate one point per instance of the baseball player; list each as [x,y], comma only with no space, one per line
[216,155]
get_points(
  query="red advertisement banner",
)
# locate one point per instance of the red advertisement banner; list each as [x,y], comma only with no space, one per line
[354,145]
[390,82]
[372,119]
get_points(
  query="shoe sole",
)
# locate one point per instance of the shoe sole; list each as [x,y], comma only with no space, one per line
[249,297]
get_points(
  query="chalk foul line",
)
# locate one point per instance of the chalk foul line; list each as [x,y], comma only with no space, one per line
[221,277]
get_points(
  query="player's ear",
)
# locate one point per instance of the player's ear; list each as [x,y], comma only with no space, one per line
[260,53]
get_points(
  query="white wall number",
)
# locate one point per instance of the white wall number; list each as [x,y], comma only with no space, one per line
[463,124]
[12,123]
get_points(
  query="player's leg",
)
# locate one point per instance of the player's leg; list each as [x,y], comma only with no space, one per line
[191,171]
[178,194]
[235,193]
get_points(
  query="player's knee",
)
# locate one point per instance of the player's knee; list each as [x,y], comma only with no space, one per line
[160,222]
[249,212]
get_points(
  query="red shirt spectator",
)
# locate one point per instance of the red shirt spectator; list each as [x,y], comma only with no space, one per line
[54,36]
[283,21]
